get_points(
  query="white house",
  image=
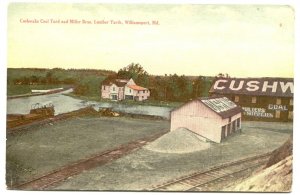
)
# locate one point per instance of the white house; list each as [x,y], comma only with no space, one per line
[120,89]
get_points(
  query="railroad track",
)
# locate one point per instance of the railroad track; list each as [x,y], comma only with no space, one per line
[56,176]
[200,180]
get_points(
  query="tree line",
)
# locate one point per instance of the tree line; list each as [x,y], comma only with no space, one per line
[49,76]
[170,87]
[87,82]
[48,79]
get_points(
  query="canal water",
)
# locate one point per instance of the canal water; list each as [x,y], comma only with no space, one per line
[63,104]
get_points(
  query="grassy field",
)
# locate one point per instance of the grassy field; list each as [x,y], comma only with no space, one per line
[144,168]
[42,149]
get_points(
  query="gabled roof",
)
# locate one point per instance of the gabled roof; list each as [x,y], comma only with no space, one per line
[221,106]
[254,86]
[122,80]
[120,84]
[113,80]
[136,87]
[108,80]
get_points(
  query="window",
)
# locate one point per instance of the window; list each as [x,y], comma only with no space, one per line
[103,87]
[114,89]
[278,101]
[129,90]
[253,100]
[290,116]
[291,102]
[143,91]
[142,97]
[236,98]
[277,114]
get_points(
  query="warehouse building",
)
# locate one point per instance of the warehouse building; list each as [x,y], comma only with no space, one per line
[211,118]
[262,99]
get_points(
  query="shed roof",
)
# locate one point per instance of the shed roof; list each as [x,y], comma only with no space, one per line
[283,87]
[221,106]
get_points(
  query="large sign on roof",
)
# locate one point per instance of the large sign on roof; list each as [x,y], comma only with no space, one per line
[279,87]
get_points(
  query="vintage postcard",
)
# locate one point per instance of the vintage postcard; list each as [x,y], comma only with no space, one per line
[150,97]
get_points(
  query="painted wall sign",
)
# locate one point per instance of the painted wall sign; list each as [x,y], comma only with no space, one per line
[249,86]
[257,112]
[277,107]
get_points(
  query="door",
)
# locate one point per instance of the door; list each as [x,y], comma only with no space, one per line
[223,132]
[238,123]
[233,126]
[228,129]
[129,97]
[114,97]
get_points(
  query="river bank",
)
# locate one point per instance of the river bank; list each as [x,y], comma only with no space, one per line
[64,102]
[38,93]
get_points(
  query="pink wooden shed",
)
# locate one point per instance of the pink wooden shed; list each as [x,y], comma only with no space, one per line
[211,118]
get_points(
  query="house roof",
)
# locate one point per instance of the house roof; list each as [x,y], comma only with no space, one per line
[221,106]
[254,86]
[122,80]
[136,87]
[113,80]
[108,81]
[120,84]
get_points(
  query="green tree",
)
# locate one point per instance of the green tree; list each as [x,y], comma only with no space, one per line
[49,78]
[198,87]
[136,72]
[34,79]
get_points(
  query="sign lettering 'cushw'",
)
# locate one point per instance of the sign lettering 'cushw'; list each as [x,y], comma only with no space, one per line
[254,85]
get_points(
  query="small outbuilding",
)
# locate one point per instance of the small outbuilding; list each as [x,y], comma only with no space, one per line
[211,118]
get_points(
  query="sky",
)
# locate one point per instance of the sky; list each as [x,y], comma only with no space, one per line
[241,40]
